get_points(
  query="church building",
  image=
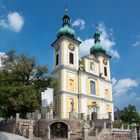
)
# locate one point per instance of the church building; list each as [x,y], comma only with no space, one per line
[84,83]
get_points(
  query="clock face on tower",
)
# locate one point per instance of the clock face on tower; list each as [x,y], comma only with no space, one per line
[71,47]
[105,61]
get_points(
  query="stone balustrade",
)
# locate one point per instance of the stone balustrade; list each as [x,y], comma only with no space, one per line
[86,127]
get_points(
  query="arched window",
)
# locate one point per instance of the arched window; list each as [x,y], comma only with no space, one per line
[92,66]
[92,87]
[71,58]
[105,71]
[57,59]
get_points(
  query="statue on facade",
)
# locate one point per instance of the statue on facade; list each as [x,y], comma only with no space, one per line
[72,106]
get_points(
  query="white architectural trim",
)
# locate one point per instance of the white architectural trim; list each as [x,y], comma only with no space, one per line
[64,79]
[110,88]
[84,105]
[108,70]
[64,106]
[54,59]
[65,54]
[112,112]
[77,57]
[86,65]
[83,83]
[101,89]
[71,76]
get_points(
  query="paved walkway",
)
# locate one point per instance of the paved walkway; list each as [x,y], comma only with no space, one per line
[10,136]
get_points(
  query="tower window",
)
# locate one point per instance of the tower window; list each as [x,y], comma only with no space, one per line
[57,59]
[92,87]
[105,71]
[71,58]
[91,65]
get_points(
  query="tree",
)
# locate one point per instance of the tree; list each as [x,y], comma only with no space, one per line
[129,114]
[21,82]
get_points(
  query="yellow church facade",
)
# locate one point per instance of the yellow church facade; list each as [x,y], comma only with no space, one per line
[85,81]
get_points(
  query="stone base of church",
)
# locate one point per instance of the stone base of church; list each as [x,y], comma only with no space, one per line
[59,129]
[68,129]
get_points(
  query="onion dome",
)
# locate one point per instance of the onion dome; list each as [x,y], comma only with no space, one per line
[65,29]
[97,47]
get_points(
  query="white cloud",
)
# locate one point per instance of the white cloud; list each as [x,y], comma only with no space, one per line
[122,94]
[114,81]
[3,23]
[80,23]
[106,40]
[136,44]
[2,6]
[14,22]
[123,100]
[2,54]
[114,53]
[106,37]
[123,85]
[85,46]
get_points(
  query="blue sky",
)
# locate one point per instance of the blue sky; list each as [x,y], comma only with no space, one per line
[30,27]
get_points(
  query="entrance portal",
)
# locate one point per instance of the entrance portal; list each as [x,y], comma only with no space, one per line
[94,115]
[59,130]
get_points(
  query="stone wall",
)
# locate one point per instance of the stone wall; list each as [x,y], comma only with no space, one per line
[42,128]
[77,129]
[115,135]
[8,126]
[23,127]
[121,135]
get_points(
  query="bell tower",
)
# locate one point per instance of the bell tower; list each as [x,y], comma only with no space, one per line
[99,51]
[66,45]
[105,86]
[66,64]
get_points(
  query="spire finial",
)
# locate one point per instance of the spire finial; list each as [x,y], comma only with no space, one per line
[66,9]
[97,28]
[66,19]
[97,34]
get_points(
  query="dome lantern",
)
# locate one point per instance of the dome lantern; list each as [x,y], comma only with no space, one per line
[66,29]
[97,47]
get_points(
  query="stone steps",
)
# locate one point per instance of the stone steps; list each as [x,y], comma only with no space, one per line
[59,139]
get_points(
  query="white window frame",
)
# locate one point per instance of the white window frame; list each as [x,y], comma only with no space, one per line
[58,52]
[93,66]
[95,86]
[73,52]
[105,67]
